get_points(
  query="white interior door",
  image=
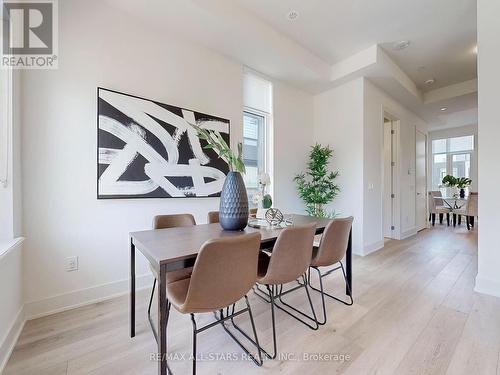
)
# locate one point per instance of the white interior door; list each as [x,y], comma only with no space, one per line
[421,181]
[388,188]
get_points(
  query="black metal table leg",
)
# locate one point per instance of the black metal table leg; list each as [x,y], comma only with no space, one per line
[132,288]
[162,321]
[348,265]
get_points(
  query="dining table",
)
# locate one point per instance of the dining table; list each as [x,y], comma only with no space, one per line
[454,203]
[176,248]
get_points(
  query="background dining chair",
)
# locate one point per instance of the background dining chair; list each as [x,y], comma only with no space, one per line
[331,250]
[469,210]
[472,210]
[213,217]
[436,206]
[224,271]
[163,222]
[289,261]
[252,212]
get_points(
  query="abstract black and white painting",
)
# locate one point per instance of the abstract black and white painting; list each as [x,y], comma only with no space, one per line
[148,149]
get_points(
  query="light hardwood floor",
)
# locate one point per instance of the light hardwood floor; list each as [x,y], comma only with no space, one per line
[415,312]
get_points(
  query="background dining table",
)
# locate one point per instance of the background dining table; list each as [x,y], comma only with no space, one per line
[176,248]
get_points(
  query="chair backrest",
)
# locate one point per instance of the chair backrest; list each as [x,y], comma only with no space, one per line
[435,195]
[431,202]
[213,217]
[224,271]
[472,204]
[291,255]
[334,241]
[172,221]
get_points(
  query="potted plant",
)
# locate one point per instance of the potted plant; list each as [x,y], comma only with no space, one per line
[317,187]
[233,208]
[462,183]
[450,182]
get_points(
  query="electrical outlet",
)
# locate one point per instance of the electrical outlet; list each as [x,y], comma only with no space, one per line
[71,264]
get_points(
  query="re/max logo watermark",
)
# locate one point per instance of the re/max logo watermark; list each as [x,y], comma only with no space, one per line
[29,34]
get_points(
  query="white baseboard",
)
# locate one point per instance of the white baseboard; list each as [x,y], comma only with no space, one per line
[408,233]
[9,341]
[487,286]
[82,297]
[368,249]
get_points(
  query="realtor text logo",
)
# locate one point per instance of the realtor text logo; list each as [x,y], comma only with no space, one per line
[29,34]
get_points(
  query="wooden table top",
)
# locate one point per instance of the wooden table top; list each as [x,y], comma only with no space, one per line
[163,246]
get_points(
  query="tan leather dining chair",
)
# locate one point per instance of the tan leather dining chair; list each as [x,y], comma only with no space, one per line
[330,252]
[224,271]
[164,222]
[213,217]
[289,261]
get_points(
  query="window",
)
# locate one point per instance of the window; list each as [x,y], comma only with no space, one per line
[254,147]
[257,119]
[4,123]
[451,156]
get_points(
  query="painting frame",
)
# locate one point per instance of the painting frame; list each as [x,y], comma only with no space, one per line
[101,196]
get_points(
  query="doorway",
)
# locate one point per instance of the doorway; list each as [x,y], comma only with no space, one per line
[421,180]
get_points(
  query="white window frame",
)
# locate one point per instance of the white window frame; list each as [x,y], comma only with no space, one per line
[449,155]
[266,142]
[5,123]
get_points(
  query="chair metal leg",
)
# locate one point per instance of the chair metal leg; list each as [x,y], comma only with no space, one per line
[257,345]
[313,318]
[433,219]
[468,222]
[263,295]
[273,321]
[195,331]
[323,293]
[258,361]
[448,219]
[441,216]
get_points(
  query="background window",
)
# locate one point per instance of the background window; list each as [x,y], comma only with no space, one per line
[254,143]
[451,156]
[257,122]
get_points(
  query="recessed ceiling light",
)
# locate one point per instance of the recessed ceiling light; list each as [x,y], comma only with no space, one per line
[430,81]
[443,109]
[292,15]
[402,44]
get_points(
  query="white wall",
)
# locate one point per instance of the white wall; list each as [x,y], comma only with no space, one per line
[293,137]
[350,119]
[456,132]
[376,102]
[488,278]
[100,46]
[338,122]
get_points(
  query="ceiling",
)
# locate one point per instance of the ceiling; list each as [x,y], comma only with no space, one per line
[305,51]
[442,33]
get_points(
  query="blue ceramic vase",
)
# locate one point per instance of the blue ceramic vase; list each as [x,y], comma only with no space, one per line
[233,210]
